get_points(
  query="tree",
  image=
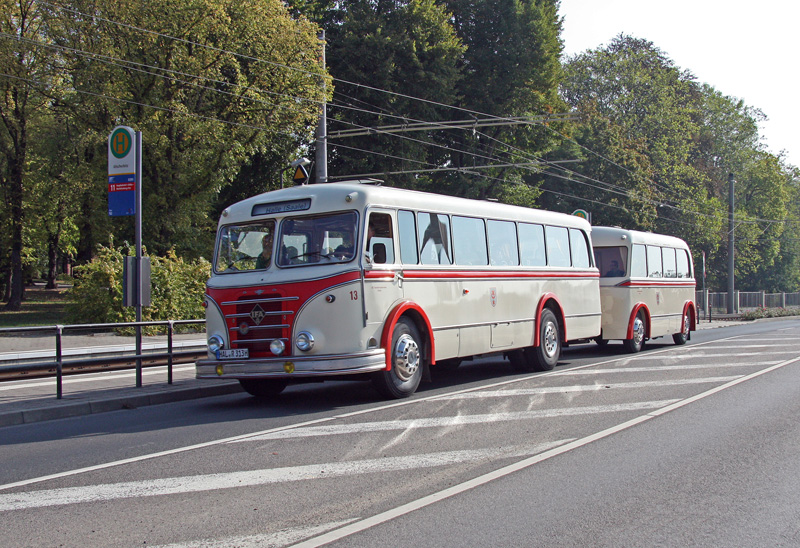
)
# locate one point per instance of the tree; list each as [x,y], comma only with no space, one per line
[511,67]
[399,51]
[210,83]
[638,89]
[27,76]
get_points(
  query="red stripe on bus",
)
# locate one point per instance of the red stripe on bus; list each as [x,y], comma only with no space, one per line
[470,274]
[630,283]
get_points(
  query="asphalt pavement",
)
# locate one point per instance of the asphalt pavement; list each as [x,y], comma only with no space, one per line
[33,400]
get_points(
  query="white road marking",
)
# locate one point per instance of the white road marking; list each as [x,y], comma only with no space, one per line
[459,420]
[392,405]
[587,388]
[689,356]
[660,368]
[412,506]
[271,540]
[250,478]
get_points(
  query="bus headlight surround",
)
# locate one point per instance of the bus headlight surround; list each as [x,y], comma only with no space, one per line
[277,347]
[304,341]
[215,343]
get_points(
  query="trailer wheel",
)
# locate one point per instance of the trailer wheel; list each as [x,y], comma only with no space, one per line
[635,344]
[683,336]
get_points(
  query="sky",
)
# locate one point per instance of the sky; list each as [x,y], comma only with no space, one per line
[748,50]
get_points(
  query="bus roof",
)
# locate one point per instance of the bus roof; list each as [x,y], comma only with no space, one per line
[358,195]
[604,236]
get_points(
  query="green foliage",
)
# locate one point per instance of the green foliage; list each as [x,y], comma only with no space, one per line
[760,313]
[177,290]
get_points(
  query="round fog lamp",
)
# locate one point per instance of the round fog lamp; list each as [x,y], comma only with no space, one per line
[215,343]
[277,347]
[304,341]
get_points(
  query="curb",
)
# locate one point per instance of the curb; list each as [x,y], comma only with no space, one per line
[127,401]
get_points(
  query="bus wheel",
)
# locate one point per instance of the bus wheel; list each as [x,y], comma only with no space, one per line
[545,356]
[549,350]
[637,342]
[683,336]
[601,342]
[263,388]
[406,372]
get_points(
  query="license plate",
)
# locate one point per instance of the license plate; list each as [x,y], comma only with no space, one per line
[233,354]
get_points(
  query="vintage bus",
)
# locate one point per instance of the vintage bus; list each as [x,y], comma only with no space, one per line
[647,286]
[355,280]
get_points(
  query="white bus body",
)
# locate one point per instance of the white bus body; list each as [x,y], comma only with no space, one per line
[365,279]
[647,286]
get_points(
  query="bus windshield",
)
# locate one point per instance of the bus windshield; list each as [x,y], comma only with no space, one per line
[245,247]
[317,240]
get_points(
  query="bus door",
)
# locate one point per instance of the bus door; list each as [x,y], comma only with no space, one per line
[383,275]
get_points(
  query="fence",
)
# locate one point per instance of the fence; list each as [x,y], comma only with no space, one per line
[58,363]
[711,303]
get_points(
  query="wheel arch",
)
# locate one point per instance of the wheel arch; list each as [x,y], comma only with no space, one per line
[634,311]
[416,314]
[549,300]
[690,309]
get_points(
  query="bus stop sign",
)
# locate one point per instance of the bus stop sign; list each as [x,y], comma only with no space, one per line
[121,172]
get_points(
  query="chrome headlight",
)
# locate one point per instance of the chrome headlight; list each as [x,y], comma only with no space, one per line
[277,347]
[215,343]
[304,341]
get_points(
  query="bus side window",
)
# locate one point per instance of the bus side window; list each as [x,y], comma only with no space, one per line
[531,245]
[557,240]
[654,266]
[670,268]
[502,243]
[380,244]
[638,262]
[408,237]
[683,264]
[580,249]
[434,236]
[469,241]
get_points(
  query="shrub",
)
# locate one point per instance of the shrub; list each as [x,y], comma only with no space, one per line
[759,313]
[177,289]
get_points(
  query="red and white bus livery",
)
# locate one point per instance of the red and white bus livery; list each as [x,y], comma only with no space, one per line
[330,280]
[647,286]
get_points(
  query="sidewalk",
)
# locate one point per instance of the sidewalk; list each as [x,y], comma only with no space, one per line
[34,400]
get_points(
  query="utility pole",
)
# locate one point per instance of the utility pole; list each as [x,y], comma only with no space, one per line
[322,138]
[731,294]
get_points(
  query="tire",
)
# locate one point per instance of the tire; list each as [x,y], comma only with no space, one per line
[405,375]
[683,336]
[263,388]
[636,344]
[545,356]
[601,342]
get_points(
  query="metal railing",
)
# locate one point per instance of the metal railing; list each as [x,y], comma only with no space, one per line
[711,304]
[59,364]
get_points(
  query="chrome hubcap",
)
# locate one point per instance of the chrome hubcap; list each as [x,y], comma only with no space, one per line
[406,357]
[550,341]
[638,331]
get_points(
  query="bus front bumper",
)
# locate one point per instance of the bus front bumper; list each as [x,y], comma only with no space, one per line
[287,367]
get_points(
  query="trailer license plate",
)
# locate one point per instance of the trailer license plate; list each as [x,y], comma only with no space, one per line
[233,354]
